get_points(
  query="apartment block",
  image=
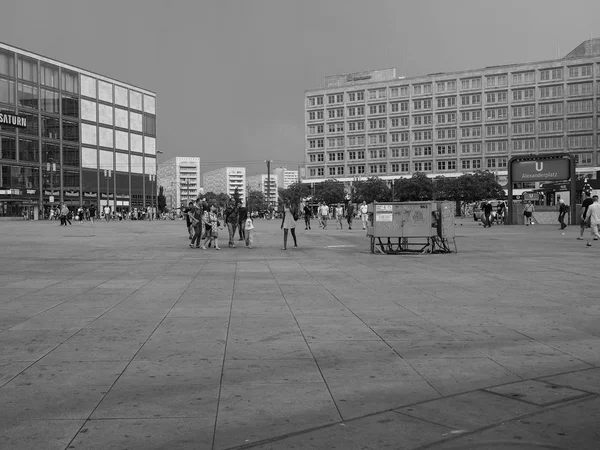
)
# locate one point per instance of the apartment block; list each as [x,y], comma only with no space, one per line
[261,183]
[180,180]
[226,180]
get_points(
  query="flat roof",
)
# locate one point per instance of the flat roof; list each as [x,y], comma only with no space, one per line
[75,68]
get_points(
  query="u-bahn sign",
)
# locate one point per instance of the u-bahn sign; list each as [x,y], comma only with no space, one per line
[536,168]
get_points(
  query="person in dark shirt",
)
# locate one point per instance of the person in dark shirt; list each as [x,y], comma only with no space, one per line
[231,218]
[350,215]
[562,212]
[188,220]
[242,215]
[307,215]
[487,213]
[584,209]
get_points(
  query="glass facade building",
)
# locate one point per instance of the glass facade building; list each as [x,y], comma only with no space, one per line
[376,124]
[70,135]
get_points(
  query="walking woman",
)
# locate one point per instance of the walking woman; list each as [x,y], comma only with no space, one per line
[211,222]
[289,223]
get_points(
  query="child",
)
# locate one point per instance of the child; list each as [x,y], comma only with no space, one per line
[249,230]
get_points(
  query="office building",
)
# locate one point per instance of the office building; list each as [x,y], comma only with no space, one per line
[68,134]
[285,177]
[374,123]
[180,180]
[226,180]
[261,183]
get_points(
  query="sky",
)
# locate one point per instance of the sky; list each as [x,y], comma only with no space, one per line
[230,75]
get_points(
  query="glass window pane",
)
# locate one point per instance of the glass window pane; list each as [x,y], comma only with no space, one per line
[32,124]
[7,63]
[70,82]
[8,147]
[50,127]
[28,150]
[7,91]
[70,131]
[49,101]
[49,76]
[28,96]
[70,106]
[150,125]
[27,69]
[71,179]
[50,153]
[70,156]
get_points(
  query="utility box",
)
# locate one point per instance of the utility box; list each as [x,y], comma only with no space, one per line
[411,227]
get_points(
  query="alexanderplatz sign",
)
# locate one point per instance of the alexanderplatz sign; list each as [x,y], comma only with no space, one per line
[550,167]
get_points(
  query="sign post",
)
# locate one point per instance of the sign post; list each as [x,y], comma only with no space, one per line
[550,167]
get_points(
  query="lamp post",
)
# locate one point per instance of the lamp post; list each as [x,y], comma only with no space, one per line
[107,175]
[158,152]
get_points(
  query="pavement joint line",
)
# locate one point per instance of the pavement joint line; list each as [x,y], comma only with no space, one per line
[214,436]
[133,357]
[544,405]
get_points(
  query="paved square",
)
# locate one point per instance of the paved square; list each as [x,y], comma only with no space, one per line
[123,336]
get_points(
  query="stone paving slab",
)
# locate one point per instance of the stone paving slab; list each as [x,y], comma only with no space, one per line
[141,342]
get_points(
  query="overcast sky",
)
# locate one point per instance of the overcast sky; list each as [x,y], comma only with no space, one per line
[231,74]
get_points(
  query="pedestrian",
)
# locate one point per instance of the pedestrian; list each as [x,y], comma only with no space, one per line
[242,213]
[528,213]
[487,214]
[307,214]
[64,212]
[562,211]
[195,216]
[587,202]
[319,216]
[231,219]
[324,210]
[188,220]
[350,215]
[51,213]
[363,214]
[249,229]
[593,218]
[288,222]
[211,224]
[93,214]
[339,215]
[107,213]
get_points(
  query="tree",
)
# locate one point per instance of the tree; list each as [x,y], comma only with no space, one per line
[294,193]
[161,200]
[219,200]
[236,197]
[416,188]
[329,191]
[373,189]
[256,201]
[445,188]
[478,186]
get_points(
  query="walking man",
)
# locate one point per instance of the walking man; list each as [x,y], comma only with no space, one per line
[242,213]
[562,211]
[363,214]
[231,219]
[307,215]
[350,215]
[324,210]
[593,218]
[107,213]
[587,202]
[487,212]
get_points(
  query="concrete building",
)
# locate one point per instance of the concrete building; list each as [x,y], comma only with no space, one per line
[374,123]
[285,177]
[180,179]
[261,183]
[68,134]
[226,180]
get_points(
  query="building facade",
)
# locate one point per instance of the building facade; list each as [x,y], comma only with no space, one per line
[67,134]
[261,183]
[374,123]
[226,180]
[285,177]
[180,180]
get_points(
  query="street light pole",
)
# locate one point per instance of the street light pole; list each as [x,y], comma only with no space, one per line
[158,152]
[268,161]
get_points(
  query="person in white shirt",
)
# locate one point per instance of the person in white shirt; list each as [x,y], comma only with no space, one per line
[339,215]
[363,214]
[249,230]
[324,215]
[593,217]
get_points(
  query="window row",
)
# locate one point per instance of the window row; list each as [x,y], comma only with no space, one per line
[28,150]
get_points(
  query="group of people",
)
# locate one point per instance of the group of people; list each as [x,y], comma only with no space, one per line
[590,218]
[324,212]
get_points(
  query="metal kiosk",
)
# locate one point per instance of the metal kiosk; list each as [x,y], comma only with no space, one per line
[412,227]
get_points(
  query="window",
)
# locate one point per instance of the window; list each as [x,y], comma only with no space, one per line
[400,152]
[580,89]
[551,74]
[551,109]
[7,63]
[584,158]
[421,104]
[50,127]
[70,156]
[8,147]
[70,82]
[580,141]
[312,158]
[523,77]
[579,106]
[580,71]
[523,111]
[523,128]
[339,98]
[446,133]
[493,163]
[474,147]
[497,97]
[422,120]
[520,95]
[339,112]
[446,102]
[470,132]
[471,83]
[551,143]
[70,131]
[28,150]
[449,149]
[497,80]
[422,151]
[27,69]
[422,135]
[496,113]
[496,146]
[7,90]
[523,144]
[422,89]
[471,116]
[49,101]
[465,164]
[27,96]
[446,165]
[446,86]
[584,123]
[551,126]
[32,123]
[551,92]
[49,76]
[496,130]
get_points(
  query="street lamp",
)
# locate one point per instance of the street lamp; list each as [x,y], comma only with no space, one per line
[158,152]
[107,175]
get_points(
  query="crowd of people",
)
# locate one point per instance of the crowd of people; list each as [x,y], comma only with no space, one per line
[89,213]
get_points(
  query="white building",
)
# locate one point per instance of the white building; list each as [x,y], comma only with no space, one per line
[226,180]
[285,177]
[180,179]
[261,183]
